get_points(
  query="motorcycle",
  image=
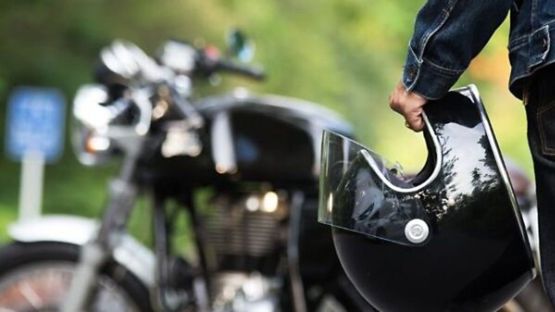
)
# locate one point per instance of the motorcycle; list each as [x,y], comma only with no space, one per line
[257,245]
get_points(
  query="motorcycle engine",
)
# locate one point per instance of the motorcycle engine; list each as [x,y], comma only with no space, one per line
[246,232]
[245,236]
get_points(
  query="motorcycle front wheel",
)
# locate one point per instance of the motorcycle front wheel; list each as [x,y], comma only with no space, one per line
[37,277]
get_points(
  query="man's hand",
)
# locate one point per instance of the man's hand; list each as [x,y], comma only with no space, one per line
[408,104]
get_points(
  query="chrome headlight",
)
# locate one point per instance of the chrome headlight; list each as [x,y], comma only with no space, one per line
[91,121]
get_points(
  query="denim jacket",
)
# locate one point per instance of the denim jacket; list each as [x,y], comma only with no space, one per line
[449,33]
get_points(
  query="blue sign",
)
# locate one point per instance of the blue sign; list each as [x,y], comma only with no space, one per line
[35,123]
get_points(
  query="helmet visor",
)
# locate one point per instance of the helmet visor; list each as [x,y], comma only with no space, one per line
[359,193]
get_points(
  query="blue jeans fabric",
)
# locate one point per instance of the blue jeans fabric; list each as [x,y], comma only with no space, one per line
[540,112]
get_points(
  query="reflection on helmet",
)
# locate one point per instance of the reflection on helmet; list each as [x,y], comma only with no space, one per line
[374,209]
[450,239]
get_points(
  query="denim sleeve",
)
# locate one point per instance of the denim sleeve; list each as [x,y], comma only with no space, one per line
[447,36]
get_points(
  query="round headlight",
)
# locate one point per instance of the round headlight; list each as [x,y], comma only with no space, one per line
[91,120]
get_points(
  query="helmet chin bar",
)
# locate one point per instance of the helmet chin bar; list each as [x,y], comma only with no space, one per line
[437,149]
[417,230]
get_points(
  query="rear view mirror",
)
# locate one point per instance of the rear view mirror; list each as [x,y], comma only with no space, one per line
[239,45]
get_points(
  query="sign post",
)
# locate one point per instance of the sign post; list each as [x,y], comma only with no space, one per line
[35,136]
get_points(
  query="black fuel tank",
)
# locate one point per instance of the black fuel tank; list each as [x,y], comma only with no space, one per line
[256,138]
[273,138]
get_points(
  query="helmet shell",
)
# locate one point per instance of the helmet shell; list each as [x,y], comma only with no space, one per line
[477,255]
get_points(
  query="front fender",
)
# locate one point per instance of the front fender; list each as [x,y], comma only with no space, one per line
[130,254]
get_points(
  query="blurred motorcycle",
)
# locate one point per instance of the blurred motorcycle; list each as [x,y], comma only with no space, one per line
[257,246]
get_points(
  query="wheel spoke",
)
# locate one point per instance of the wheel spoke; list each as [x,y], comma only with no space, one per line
[42,287]
[30,294]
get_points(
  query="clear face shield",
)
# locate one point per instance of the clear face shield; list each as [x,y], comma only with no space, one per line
[359,193]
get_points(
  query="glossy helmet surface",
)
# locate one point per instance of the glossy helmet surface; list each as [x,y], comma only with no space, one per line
[450,239]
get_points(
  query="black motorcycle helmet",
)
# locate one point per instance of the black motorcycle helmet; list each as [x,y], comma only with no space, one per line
[449,239]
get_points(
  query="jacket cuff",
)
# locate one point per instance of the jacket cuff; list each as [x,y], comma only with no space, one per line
[427,79]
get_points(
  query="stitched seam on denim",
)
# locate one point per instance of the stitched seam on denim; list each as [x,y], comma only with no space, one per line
[515,44]
[428,35]
[528,74]
[415,55]
[443,18]
[436,72]
[413,84]
[549,23]
[449,71]
[432,70]
[515,7]
[544,29]
[548,44]
[426,38]
[419,64]
[545,149]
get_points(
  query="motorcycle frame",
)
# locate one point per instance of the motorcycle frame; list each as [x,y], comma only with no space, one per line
[123,193]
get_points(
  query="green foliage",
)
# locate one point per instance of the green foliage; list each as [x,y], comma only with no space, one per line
[344,54]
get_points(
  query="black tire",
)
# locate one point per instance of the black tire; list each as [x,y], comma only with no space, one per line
[18,256]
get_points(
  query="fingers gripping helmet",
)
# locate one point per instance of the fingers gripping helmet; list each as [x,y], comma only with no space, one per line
[449,239]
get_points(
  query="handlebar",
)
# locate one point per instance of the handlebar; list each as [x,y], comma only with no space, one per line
[255,73]
[208,65]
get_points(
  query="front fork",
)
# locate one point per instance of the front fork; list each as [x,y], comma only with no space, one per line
[123,193]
